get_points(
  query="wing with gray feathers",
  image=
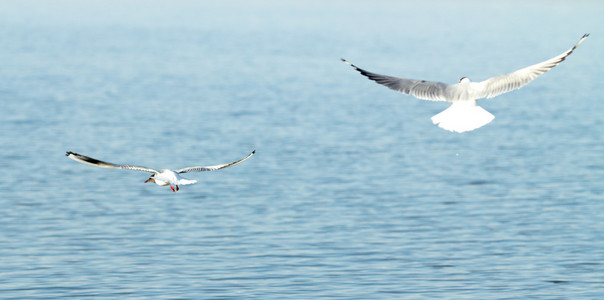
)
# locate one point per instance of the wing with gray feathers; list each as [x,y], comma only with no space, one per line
[427,90]
[212,168]
[98,163]
[505,83]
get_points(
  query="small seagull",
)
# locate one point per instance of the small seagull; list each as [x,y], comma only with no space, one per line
[159,177]
[464,115]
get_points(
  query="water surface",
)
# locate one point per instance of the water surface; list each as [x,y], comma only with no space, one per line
[353,192]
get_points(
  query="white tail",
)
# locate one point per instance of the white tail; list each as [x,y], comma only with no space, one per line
[186,181]
[462,116]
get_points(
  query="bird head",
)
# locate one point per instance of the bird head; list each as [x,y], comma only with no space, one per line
[464,80]
[151,179]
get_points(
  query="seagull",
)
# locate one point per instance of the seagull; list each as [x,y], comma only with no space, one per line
[159,177]
[464,115]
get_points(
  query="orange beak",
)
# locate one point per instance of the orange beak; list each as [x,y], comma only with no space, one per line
[150,179]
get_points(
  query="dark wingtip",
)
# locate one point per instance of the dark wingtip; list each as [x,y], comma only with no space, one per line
[68,152]
[253,152]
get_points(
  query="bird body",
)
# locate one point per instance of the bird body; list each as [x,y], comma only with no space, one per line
[161,177]
[169,177]
[467,116]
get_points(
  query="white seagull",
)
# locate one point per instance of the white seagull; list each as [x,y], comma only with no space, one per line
[464,115]
[159,177]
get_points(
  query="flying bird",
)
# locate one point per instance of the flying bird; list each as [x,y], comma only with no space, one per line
[464,115]
[159,177]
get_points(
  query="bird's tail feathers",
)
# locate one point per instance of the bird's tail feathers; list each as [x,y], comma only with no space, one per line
[186,181]
[462,117]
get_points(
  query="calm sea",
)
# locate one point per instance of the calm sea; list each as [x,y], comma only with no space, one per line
[353,193]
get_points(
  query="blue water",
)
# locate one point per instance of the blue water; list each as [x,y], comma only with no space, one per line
[353,193]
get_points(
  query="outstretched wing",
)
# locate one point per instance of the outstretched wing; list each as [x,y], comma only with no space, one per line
[212,168]
[98,163]
[498,85]
[422,89]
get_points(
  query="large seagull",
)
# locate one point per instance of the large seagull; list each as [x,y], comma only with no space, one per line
[159,177]
[464,115]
